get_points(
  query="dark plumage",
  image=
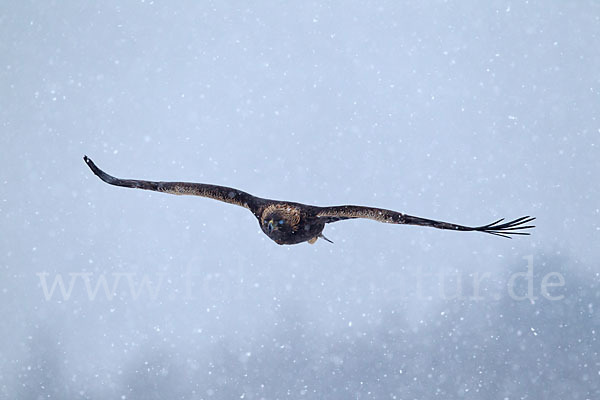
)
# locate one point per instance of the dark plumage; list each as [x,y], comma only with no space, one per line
[291,223]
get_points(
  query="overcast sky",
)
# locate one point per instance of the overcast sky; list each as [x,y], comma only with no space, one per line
[460,111]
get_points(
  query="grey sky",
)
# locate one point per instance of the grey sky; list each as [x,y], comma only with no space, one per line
[459,111]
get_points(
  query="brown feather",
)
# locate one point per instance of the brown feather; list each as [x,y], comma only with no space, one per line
[221,193]
[290,223]
[291,214]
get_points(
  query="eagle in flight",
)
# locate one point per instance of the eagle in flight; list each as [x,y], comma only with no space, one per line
[286,222]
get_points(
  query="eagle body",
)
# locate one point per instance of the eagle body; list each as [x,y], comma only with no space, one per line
[290,223]
[287,222]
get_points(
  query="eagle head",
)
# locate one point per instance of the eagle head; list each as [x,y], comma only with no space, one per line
[285,224]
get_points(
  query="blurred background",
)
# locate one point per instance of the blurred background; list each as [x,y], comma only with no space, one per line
[460,111]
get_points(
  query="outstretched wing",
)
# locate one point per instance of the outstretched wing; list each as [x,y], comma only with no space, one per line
[338,213]
[222,193]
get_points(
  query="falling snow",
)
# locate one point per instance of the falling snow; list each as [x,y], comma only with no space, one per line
[459,111]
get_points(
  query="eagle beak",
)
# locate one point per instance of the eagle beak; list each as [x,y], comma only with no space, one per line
[271,226]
